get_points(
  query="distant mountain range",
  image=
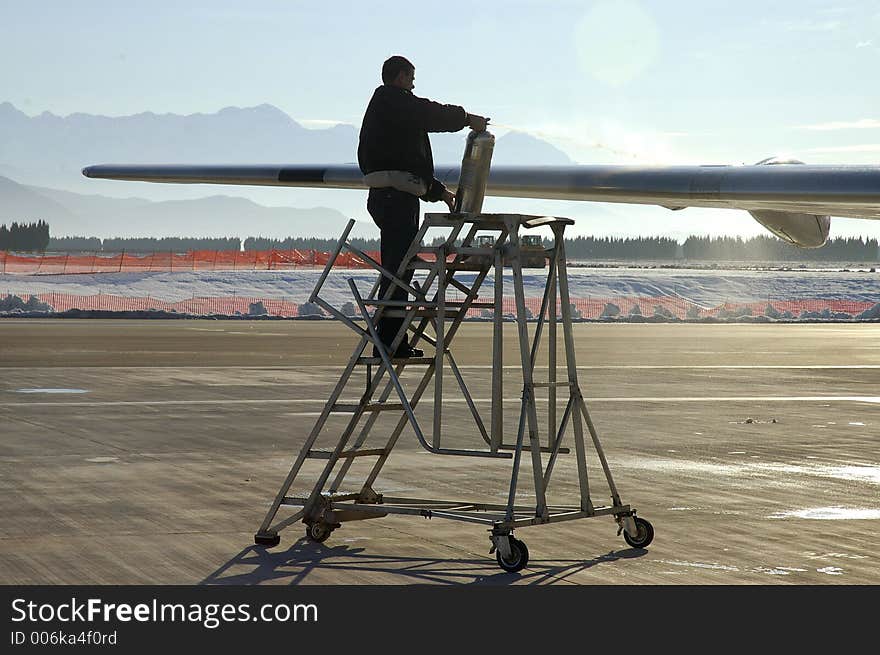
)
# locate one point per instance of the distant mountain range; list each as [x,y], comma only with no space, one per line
[74,214]
[49,151]
[262,134]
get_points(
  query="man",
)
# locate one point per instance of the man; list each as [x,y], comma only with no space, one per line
[395,157]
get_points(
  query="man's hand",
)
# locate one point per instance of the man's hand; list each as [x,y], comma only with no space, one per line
[449,199]
[477,123]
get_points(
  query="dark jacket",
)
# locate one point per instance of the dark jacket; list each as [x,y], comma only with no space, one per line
[394,134]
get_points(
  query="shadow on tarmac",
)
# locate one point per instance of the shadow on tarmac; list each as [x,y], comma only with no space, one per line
[348,565]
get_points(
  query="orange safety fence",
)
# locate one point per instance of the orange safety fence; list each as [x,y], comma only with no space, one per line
[220,306]
[193,260]
[589,308]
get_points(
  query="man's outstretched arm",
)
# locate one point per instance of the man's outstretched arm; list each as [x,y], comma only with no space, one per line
[435,117]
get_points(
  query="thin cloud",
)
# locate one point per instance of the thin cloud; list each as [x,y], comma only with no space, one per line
[811,26]
[863,124]
[864,44]
[677,135]
[865,147]
[586,140]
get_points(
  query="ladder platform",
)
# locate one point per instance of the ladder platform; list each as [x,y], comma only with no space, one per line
[542,449]
[299,498]
[495,221]
[395,360]
[319,453]
[350,408]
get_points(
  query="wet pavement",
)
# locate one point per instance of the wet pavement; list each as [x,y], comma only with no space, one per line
[146,452]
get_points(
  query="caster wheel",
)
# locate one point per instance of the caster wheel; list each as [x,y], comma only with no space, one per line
[519,557]
[318,531]
[268,540]
[644,536]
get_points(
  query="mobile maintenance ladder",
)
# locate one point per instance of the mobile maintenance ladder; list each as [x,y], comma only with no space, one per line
[475,245]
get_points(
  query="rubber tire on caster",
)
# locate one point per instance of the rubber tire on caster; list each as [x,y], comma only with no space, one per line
[318,531]
[644,537]
[519,557]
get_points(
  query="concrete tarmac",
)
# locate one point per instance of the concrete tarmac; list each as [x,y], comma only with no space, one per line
[147,452]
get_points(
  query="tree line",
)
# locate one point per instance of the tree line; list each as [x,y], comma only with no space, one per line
[769,248]
[25,236]
[142,244]
[179,244]
[762,248]
[619,248]
[35,237]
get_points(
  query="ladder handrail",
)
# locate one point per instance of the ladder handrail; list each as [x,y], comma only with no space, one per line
[332,259]
[383,353]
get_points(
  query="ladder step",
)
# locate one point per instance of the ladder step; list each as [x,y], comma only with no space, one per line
[544,449]
[400,303]
[351,408]
[299,497]
[396,360]
[425,304]
[450,313]
[471,265]
[345,454]
[473,251]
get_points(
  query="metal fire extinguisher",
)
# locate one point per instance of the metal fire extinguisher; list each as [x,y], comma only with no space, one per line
[474,172]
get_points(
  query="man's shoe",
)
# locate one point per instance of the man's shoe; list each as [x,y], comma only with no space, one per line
[409,351]
[404,352]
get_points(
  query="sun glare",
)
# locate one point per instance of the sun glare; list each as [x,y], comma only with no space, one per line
[616,41]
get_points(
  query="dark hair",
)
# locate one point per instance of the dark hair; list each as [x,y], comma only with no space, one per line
[394,66]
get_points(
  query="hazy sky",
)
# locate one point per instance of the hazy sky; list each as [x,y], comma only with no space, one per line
[615,81]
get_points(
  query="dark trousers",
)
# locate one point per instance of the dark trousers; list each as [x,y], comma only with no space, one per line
[396,213]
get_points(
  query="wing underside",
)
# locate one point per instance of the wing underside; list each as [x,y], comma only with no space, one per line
[835,190]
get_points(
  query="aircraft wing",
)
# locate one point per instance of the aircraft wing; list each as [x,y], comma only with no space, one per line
[835,190]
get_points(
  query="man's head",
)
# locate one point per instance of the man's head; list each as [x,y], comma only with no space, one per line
[398,71]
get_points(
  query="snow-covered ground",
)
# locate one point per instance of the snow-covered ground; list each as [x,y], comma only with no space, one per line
[596,292]
[703,287]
